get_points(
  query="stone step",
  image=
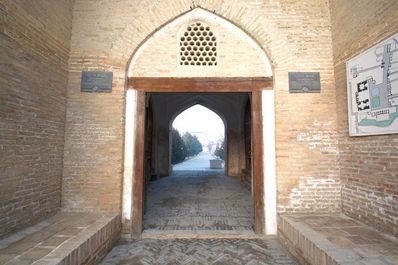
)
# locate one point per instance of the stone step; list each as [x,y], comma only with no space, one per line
[65,238]
[333,239]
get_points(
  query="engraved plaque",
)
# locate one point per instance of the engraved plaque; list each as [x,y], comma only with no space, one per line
[304,82]
[95,81]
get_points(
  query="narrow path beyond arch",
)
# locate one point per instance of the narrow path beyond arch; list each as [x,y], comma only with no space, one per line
[201,162]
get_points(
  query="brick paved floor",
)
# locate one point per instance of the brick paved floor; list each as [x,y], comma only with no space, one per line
[198,201]
[200,251]
[338,237]
[54,240]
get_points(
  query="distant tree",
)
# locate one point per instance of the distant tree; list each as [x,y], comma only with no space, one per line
[178,148]
[220,150]
[192,144]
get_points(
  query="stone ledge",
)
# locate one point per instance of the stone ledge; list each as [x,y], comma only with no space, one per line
[65,239]
[335,239]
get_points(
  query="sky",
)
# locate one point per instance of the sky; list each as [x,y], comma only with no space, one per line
[202,121]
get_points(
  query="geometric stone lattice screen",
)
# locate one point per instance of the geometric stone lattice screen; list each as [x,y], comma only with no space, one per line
[198,46]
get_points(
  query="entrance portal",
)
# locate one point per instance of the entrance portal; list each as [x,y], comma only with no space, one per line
[196,52]
[201,85]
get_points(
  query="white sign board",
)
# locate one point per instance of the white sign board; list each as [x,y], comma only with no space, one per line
[372,90]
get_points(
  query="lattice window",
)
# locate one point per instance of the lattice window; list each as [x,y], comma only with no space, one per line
[198,46]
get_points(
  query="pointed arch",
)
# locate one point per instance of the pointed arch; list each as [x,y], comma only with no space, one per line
[203,103]
[195,14]
[208,107]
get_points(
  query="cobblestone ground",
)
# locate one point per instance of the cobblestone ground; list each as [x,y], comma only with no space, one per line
[198,201]
[200,251]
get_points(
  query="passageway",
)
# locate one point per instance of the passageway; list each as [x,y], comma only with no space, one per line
[199,201]
[190,196]
[162,108]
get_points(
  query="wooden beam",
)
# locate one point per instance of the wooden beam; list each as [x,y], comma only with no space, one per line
[138,185]
[229,84]
[258,172]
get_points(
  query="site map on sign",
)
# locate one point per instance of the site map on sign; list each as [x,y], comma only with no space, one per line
[372,87]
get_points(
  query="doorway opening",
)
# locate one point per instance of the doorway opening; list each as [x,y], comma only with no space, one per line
[193,200]
[258,89]
[197,140]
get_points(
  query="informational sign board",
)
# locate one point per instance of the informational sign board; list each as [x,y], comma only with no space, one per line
[372,90]
[95,81]
[304,82]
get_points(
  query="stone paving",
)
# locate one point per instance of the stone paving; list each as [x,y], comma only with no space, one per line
[337,239]
[198,201]
[200,252]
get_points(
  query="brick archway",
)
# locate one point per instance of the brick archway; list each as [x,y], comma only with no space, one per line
[263,151]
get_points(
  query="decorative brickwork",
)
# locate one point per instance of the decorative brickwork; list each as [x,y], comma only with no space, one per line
[369,165]
[34,40]
[198,46]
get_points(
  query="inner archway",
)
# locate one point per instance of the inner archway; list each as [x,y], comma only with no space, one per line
[204,200]
[198,124]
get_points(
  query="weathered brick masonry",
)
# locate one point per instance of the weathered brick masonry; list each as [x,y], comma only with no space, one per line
[369,165]
[296,36]
[34,51]
[315,155]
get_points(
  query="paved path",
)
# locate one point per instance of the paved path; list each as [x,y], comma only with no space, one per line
[198,201]
[199,162]
[200,252]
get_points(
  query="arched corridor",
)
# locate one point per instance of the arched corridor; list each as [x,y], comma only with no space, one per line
[204,200]
[163,108]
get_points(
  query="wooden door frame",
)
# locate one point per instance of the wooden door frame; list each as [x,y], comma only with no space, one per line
[253,85]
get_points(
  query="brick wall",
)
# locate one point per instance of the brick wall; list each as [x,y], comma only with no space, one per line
[34,41]
[369,165]
[296,36]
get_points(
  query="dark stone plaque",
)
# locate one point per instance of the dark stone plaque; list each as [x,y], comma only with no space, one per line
[94,81]
[304,82]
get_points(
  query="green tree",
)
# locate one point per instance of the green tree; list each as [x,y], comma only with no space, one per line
[192,144]
[178,148]
[220,150]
